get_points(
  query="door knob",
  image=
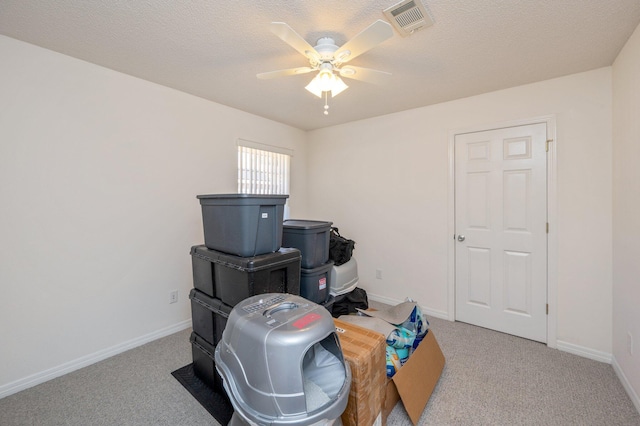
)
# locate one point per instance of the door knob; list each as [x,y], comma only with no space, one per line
[461,238]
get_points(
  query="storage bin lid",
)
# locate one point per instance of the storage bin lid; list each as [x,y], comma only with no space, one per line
[318,269]
[306,224]
[249,264]
[242,199]
[210,303]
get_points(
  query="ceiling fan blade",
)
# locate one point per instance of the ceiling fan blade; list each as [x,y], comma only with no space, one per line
[293,39]
[365,74]
[283,73]
[371,36]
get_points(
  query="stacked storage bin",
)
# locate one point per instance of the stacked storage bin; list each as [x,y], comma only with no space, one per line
[311,237]
[241,257]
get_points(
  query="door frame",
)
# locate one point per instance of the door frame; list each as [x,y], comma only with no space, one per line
[552,203]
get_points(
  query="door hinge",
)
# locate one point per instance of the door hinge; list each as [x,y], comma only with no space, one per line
[547,145]
[547,227]
[547,309]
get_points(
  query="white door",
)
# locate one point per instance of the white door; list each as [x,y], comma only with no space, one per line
[501,230]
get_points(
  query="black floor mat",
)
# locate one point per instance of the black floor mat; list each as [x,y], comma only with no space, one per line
[217,404]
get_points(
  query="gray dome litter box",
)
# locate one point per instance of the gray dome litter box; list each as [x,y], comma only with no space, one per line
[281,362]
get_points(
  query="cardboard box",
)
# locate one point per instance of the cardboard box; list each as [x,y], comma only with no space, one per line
[415,381]
[365,352]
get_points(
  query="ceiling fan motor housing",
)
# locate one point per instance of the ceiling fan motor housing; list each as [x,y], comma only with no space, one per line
[326,47]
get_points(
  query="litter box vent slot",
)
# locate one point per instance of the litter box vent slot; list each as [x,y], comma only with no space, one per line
[408,16]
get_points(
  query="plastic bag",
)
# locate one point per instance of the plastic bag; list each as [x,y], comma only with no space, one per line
[393,361]
[401,338]
[350,303]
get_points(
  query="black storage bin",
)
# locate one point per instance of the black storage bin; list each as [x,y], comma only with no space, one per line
[233,278]
[203,363]
[311,237]
[243,224]
[204,274]
[315,283]
[209,316]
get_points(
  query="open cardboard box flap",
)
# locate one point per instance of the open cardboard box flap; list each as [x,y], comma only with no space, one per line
[418,377]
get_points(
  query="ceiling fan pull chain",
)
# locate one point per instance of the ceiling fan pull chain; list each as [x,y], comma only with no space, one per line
[326,103]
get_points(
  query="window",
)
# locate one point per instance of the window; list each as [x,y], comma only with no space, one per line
[262,169]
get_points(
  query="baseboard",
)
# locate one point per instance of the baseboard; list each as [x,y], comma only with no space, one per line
[428,312]
[584,352]
[626,384]
[563,346]
[68,367]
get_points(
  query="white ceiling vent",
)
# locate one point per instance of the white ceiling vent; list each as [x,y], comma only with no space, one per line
[409,16]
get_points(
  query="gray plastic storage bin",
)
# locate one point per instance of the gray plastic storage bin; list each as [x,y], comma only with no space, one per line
[243,224]
[233,278]
[344,278]
[315,283]
[281,362]
[209,316]
[311,237]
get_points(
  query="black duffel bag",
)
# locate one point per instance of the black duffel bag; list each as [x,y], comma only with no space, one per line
[340,248]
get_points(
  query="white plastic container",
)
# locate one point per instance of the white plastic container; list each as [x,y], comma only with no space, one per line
[344,278]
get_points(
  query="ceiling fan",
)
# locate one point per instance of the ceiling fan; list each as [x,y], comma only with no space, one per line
[328,59]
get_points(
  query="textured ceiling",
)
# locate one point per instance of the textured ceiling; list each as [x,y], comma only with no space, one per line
[214,49]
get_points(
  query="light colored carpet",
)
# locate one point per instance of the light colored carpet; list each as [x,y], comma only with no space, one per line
[489,379]
[133,388]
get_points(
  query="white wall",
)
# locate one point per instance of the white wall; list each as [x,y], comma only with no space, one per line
[626,220]
[99,173]
[383,182]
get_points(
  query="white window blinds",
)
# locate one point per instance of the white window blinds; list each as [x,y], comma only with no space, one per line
[262,172]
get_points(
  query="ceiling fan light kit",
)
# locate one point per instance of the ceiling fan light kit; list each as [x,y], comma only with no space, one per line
[326,81]
[327,59]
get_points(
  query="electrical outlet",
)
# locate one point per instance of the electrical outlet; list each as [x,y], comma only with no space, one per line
[173,296]
[630,342]
[379,274]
